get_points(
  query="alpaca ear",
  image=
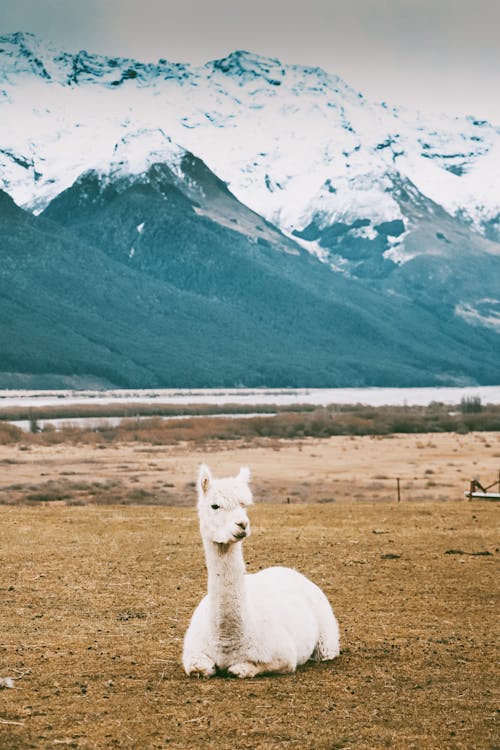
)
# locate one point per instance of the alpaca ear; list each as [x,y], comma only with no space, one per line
[204,479]
[244,475]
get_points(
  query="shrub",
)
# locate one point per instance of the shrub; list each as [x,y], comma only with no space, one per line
[471,405]
[9,433]
[320,423]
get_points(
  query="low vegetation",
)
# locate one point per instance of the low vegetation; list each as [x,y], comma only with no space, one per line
[289,424]
[430,468]
[130,410]
[102,567]
[95,603]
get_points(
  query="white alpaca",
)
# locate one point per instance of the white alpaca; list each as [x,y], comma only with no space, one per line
[266,622]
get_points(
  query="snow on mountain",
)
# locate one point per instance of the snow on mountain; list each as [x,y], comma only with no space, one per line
[137,151]
[152,182]
[295,144]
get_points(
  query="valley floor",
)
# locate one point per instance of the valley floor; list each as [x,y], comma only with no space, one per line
[431,467]
[96,600]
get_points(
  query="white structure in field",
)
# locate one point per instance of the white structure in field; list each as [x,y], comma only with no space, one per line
[249,624]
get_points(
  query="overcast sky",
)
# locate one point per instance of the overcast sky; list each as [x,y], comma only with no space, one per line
[441,55]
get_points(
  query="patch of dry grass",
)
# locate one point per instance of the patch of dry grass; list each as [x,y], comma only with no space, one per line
[95,602]
[290,423]
[131,410]
[337,469]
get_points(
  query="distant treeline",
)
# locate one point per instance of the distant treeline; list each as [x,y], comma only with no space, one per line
[287,424]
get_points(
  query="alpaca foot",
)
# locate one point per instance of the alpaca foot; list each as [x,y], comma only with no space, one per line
[328,646]
[200,666]
[245,669]
[325,654]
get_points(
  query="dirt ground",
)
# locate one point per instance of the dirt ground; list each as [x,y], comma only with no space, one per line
[95,599]
[435,467]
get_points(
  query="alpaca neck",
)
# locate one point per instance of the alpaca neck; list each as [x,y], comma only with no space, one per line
[226,592]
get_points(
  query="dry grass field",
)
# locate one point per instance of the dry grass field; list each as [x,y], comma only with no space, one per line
[95,598]
[342,468]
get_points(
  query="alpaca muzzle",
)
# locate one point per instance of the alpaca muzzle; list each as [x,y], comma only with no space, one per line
[243,530]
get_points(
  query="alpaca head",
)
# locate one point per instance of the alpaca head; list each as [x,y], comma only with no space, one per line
[222,506]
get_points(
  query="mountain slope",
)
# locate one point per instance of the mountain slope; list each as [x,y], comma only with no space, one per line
[293,143]
[199,304]
[241,223]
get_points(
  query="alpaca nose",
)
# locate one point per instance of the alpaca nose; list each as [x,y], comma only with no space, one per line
[242,524]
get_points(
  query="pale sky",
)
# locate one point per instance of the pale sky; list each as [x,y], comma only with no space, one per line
[438,55]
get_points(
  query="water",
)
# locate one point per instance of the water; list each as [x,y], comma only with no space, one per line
[255,396]
[94,423]
[246,397]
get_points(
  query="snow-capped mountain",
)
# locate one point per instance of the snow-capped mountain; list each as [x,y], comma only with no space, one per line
[295,144]
[243,222]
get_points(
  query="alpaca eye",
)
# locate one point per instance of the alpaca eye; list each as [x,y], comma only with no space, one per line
[215,507]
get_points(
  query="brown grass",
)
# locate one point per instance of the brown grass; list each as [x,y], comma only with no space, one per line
[337,469]
[132,409]
[95,602]
[291,423]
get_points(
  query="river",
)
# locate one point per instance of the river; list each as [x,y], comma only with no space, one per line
[255,396]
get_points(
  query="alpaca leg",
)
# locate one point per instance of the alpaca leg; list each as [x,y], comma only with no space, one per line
[245,669]
[251,669]
[328,646]
[196,658]
[199,665]
[276,654]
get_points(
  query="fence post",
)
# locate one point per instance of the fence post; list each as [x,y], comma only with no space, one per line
[399,491]
[472,488]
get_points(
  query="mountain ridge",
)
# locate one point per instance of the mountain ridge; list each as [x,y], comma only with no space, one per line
[200,304]
[293,170]
[240,223]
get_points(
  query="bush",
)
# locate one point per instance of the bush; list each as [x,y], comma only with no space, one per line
[320,423]
[9,433]
[471,405]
